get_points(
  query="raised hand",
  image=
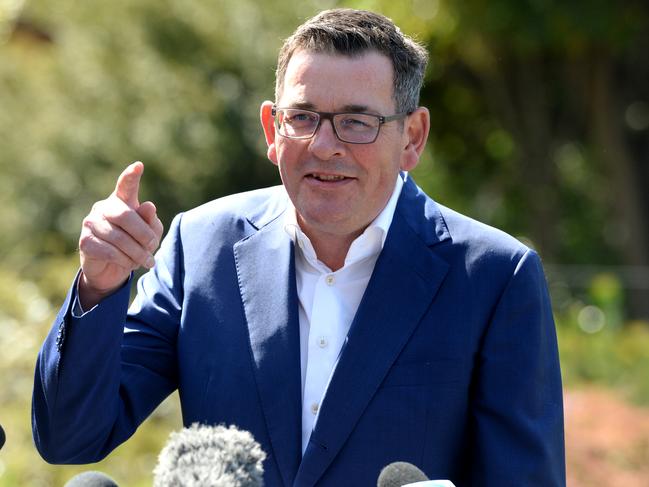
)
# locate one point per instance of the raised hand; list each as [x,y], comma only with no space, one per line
[118,236]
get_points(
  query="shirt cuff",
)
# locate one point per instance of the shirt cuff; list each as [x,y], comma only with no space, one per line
[77,309]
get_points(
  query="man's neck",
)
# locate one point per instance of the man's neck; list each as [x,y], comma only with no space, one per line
[330,249]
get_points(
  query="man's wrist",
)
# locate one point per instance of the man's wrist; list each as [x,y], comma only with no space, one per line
[88,296]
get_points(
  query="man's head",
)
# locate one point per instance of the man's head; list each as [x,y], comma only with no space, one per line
[337,130]
[350,32]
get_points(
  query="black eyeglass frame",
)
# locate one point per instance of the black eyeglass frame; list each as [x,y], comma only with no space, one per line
[330,116]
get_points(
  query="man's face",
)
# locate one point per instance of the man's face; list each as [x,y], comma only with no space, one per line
[338,188]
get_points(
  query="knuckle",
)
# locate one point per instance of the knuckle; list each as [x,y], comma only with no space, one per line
[97,206]
[87,223]
[85,242]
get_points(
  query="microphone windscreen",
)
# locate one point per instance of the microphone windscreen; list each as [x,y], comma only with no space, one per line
[210,455]
[398,474]
[2,437]
[431,483]
[91,479]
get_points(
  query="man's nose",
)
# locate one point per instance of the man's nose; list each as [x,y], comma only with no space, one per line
[325,144]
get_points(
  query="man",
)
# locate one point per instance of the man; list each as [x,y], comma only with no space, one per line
[344,318]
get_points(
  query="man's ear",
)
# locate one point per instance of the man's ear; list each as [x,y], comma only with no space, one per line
[268,124]
[417,126]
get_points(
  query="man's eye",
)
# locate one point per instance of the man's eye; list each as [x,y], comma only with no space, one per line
[356,122]
[299,117]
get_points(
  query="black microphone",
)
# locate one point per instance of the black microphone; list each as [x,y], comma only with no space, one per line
[91,479]
[210,455]
[2,437]
[398,474]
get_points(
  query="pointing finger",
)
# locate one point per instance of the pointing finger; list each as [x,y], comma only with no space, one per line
[128,184]
[147,211]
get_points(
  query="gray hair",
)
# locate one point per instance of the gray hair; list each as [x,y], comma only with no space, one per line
[352,33]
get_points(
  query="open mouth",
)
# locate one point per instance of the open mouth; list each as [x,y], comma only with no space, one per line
[326,177]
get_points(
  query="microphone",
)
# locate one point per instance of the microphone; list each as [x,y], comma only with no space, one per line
[210,455]
[91,479]
[404,474]
[399,473]
[2,437]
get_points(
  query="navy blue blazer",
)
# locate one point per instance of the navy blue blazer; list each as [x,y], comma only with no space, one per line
[450,363]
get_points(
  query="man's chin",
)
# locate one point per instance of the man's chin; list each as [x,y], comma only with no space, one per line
[331,222]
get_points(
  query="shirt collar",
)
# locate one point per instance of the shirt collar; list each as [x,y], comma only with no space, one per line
[384,219]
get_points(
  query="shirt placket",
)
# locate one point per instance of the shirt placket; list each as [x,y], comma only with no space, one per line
[324,347]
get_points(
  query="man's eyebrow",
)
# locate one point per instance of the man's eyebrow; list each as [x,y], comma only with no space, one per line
[303,105]
[355,108]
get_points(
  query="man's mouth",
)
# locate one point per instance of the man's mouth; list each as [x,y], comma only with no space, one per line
[326,177]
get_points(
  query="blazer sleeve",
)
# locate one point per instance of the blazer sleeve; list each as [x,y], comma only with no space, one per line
[98,376]
[517,414]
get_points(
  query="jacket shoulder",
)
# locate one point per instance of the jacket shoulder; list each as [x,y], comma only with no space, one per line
[438,225]
[256,208]
[473,235]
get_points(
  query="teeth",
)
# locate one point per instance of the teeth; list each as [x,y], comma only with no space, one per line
[327,177]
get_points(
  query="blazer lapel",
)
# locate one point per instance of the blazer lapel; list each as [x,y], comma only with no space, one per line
[405,280]
[266,273]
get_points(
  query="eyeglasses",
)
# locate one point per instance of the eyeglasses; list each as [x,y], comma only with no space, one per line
[354,128]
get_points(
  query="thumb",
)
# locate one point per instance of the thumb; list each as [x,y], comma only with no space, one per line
[128,184]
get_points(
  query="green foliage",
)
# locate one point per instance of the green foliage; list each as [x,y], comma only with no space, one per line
[25,317]
[594,346]
[178,84]
[86,88]
[523,97]
[613,357]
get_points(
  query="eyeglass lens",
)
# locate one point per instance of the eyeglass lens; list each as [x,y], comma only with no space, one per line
[349,127]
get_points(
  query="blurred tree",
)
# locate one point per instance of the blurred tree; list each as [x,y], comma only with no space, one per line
[86,88]
[540,121]
[540,113]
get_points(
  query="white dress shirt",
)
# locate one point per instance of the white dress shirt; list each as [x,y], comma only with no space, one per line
[328,303]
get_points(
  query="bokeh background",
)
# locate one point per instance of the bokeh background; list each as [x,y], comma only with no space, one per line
[540,126]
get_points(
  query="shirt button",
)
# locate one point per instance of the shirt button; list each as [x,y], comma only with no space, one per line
[323,342]
[314,408]
[330,280]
